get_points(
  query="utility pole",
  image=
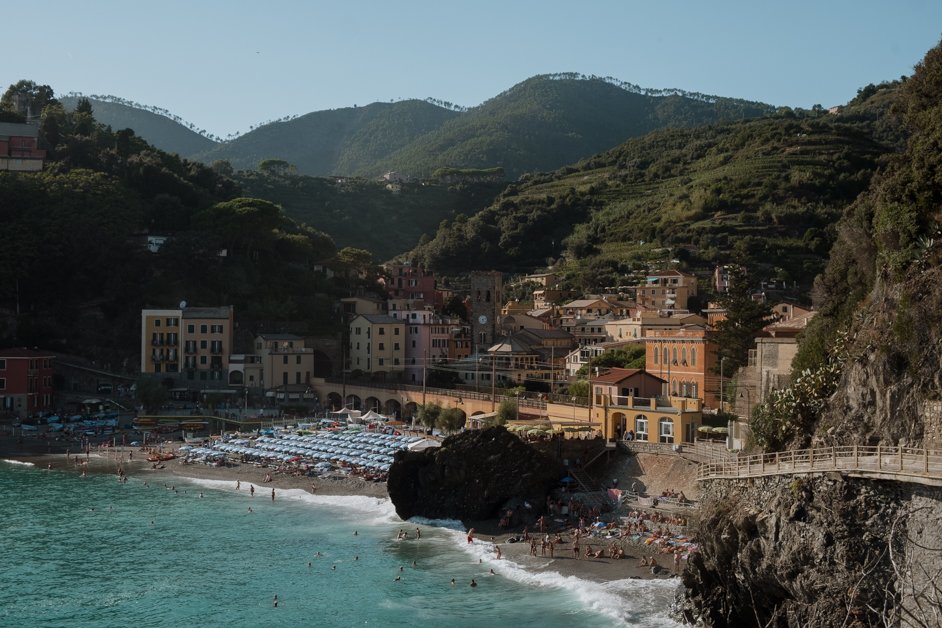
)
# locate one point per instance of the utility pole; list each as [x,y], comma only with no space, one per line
[722,360]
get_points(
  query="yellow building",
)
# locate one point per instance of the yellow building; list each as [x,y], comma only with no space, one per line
[191,344]
[377,345]
[628,401]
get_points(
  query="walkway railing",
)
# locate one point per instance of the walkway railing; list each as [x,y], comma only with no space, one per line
[907,464]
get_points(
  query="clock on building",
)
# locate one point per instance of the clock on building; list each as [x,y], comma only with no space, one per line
[482,319]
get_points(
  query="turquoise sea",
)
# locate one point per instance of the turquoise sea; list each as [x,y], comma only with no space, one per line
[93,552]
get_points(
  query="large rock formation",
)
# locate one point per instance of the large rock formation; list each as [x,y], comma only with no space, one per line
[471,477]
[816,551]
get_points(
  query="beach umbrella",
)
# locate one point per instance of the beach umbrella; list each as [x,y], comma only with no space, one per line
[705,428]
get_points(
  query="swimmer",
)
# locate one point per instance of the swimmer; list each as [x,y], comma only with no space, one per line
[318,554]
[397,578]
[334,567]
[250,509]
[356,558]
[492,573]
[274,601]
[473,583]
[400,568]
[273,494]
[413,563]
[418,533]
[201,494]
[309,564]
[354,533]
[452,582]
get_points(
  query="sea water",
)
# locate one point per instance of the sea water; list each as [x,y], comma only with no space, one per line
[90,551]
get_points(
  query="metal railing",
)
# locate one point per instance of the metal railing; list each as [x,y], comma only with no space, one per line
[910,464]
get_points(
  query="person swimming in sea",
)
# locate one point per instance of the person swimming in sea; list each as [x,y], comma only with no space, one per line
[473,583]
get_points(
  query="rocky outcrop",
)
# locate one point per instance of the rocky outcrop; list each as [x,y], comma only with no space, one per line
[816,551]
[472,476]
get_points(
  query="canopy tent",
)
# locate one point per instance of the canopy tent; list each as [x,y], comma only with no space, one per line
[373,416]
[424,444]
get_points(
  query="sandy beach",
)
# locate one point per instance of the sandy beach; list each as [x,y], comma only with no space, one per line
[132,461]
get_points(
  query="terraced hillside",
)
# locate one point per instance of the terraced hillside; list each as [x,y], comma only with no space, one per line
[765,191]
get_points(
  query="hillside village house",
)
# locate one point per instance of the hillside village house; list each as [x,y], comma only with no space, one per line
[630,400]
[19,150]
[686,359]
[286,365]
[26,384]
[377,345]
[666,290]
[191,345]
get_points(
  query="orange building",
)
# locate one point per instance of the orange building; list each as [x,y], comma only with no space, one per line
[686,359]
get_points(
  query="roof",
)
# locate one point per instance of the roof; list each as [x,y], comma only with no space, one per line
[23,352]
[617,375]
[208,312]
[280,337]
[18,129]
[585,303]
[794,324]
[382,319]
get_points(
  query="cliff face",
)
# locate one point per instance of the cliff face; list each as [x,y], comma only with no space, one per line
[472,476]
[891,391]
[822,551]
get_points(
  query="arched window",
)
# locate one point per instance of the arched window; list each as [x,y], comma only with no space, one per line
[656,352]
[674,355]
[693,356]
[641,427]
[666,359]
[683,356]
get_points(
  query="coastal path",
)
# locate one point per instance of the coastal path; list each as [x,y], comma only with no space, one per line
[902,464]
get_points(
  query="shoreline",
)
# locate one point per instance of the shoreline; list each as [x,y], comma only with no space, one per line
[487,534]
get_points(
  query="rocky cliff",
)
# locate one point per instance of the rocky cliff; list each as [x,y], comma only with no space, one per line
[832,550]
[821,551]
[472,476]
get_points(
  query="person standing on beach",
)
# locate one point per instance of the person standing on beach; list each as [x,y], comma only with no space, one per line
[273,494]
[238,484]
[252,490]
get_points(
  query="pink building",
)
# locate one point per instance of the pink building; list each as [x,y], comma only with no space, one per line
[26,382]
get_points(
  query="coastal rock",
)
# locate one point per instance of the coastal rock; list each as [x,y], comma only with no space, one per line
[471,477]
[812,551]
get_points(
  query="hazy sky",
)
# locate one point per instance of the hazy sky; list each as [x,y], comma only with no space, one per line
[226,65]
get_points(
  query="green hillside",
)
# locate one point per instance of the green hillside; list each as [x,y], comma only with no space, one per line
[363,213]
[541,124]
[156,127]
[548,121]
[767,191]
[339,141]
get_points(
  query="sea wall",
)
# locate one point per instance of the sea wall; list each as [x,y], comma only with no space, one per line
[816,551]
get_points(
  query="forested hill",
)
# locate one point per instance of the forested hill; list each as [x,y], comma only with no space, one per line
[765,191]
[549,121]
[540,124]
[76,266]
[338,141]
[157,127]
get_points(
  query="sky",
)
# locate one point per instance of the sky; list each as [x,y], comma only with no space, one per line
[227,65]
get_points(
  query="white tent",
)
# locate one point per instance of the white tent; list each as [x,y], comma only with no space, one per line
[373,416]
[425,443]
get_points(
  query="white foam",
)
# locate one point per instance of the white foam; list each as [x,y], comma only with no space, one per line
[19,462]
[628,602]
[380,507]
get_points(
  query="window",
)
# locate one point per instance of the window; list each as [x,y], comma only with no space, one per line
[693,356]
[156,322]
[173,322]
[382,331]
[381,361]
[297,377]
[395,331]
[655,355]
[396,346]
[202,359]
[666,430]
[203,344]
[382,346]
[216,329]
[297,360]
[3,383]
[284,359]
[641,427]
[357,331]
[203,329]
[191,328]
